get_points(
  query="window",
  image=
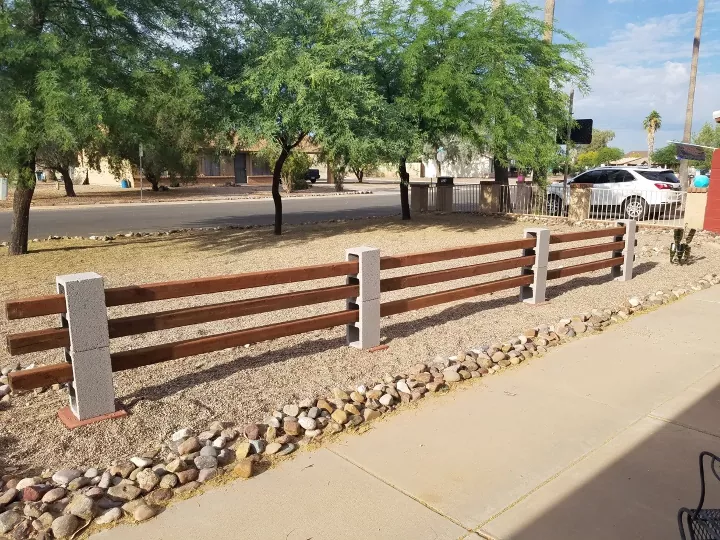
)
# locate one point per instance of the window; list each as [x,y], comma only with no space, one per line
[210,166]
[592,177]
[260,167]
[660,176]
[619,176]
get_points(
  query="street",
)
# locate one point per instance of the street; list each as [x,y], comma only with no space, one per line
[113,219]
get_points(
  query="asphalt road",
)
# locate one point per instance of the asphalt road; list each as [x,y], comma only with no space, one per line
[113,219]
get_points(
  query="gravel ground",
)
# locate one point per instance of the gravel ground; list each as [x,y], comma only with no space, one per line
[242,384]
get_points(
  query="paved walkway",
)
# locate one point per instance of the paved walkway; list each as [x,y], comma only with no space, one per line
[597,440]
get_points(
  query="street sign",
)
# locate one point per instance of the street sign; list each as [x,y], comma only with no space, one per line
[581,133]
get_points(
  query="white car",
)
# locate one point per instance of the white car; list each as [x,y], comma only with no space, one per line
[636,191]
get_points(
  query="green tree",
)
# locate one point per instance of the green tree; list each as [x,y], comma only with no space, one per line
[303,75]
[600,139]
[652,123]
[57,60]
[606,155]
[162,108]
[587,160]
[666,156]
[709,135]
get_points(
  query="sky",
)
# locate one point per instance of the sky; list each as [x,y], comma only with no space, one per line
[640,52]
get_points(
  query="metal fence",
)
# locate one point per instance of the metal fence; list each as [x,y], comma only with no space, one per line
[652,207]
[665,207]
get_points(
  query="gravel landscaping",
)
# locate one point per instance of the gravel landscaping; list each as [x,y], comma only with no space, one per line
[241,385]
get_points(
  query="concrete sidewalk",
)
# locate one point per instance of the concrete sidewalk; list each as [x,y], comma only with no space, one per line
[597,440]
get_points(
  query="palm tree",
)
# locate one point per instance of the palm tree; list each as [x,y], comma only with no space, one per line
[652,123]
[549,18]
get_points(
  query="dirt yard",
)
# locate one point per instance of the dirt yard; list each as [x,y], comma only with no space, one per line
[243,384]
[47,194]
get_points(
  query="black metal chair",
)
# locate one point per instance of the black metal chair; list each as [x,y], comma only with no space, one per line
[701,524]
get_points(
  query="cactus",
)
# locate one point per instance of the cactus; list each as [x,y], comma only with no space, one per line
[679,250]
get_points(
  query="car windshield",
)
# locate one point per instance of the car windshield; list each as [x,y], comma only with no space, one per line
[660,176]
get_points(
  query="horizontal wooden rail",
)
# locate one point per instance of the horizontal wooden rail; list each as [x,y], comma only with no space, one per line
[586,235]
[570,253]
[60,373]
[427,278]
[40,377]
[42,340]
[399,261]
[419,302]
[171,351]
[135,294]
[585,267]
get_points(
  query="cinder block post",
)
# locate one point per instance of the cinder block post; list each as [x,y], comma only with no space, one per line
[365,333]
[91,391]
[535,293]
[624,272]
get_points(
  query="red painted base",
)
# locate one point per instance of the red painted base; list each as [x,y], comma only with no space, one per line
[378,348]
[70,421]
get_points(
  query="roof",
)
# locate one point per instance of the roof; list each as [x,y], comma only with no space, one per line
[636,153]
[630,161]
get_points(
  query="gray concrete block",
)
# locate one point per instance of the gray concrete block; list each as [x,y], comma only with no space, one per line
[91,392]
[365,333]
[86,313]
[535,293]
[625,271]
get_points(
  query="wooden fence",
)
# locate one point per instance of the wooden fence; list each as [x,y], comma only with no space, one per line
[362,292]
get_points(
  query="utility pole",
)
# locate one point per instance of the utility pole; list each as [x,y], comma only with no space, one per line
[140,151]
[691,91]
[567,140]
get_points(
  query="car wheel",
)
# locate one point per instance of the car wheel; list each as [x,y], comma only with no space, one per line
[313,180]
[554,205]
[635,208]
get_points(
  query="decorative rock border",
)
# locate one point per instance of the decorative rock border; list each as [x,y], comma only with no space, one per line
[58,504]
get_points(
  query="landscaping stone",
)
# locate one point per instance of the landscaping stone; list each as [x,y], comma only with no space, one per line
[159,496]
[189,446]
[207,474]
[340,416]
[147,479]
[308,423]
[451,375]
[242,450]
[184,477]
[65,476]
[244,468]
[110,516]
[144,512]
[205,462]
[80,506]
[53,495]
[291,426]
[123,469]
[141,462]
[124,492]
[272,448]
[65,526]
[291,410]
[209,451]
[288,448]
[370,414]
[8,520]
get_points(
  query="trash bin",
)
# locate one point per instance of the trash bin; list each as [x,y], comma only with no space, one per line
[3,188]
[124,184]
[444,194]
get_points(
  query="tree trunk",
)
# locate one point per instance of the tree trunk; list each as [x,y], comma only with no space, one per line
[501,177]
[67,180]
[404,189]
[549,20]
[154,181]
[501,172]
[21,209]
[684,180]
[276,189]
[360,174]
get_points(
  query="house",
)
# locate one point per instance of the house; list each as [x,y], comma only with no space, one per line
[633,159]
